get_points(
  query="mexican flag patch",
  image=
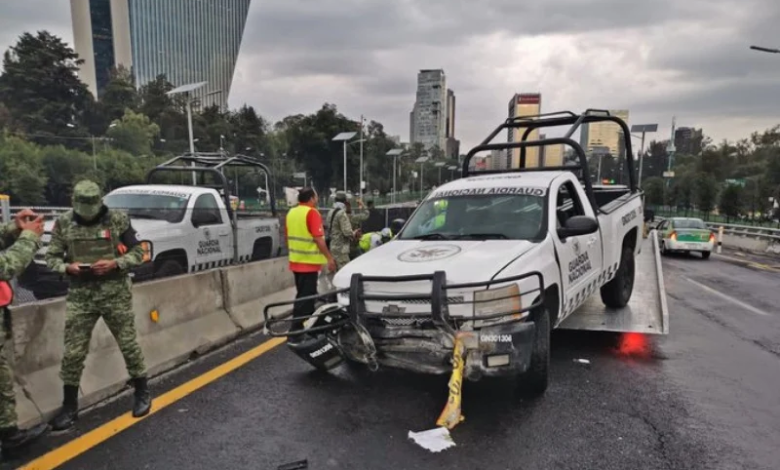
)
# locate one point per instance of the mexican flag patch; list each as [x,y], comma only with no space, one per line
[105,234]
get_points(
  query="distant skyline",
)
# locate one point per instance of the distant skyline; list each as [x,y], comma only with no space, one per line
[659,59]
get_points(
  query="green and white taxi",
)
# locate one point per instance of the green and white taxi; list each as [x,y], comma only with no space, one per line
[685,234]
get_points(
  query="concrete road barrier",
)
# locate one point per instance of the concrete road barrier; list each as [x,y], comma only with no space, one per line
[194,313]
[250,287]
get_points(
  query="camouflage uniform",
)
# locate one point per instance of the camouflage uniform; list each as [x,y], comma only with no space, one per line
[20,248]
[341,235]
[86,234]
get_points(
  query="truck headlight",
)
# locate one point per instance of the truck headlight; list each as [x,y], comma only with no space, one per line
[501,300]
[148,250]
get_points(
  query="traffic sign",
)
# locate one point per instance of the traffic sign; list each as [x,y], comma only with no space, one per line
[668,174]
[736,182]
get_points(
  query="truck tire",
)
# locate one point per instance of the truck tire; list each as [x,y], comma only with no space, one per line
[168,268]
[533,382]
[617,292]
[706,254]
[261,249]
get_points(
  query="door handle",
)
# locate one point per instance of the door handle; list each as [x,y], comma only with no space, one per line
[224,234]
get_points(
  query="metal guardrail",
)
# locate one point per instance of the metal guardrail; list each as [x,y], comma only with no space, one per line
[748,231]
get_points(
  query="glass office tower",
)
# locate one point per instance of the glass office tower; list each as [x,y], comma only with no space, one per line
[186,40]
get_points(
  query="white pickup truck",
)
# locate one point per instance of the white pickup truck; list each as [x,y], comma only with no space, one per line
[189,228]
[497,260]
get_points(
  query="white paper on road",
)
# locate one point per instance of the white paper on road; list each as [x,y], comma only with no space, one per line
[434,440]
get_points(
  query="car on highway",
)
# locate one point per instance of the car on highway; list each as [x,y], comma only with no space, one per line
[184,228]
[684,235]
[489,263]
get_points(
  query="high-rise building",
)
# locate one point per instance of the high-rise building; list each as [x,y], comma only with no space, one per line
[604,134]
[187,41]
[550,155]
[688,140]
[524,105]
[432,120]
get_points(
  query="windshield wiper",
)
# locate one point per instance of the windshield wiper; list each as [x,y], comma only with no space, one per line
[144,216]
[485,236]
[431,236]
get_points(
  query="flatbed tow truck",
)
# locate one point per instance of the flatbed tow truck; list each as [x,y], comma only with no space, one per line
[486,266]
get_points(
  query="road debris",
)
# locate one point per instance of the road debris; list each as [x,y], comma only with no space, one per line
[299,465]
[434,440]
[451,414]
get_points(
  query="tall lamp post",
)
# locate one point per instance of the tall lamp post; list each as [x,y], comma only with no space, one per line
[439,165]
[395,153]
[643,129]
[344,137]
[187,90]
[421,161]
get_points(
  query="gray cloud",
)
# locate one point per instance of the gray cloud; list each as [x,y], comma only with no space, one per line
[657,58]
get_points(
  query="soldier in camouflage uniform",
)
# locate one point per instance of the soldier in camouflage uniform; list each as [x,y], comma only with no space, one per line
[340,231]
[96,247]
[20,240]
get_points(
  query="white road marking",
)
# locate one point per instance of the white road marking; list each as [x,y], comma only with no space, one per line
[729,298]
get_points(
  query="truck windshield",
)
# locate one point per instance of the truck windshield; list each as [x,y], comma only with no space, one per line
[149,206]
[690,223]
[477,217]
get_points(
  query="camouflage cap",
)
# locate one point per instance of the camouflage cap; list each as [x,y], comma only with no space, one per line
[341,196]
[87,199]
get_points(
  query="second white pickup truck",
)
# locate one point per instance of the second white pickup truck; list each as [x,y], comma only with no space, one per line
[189,228]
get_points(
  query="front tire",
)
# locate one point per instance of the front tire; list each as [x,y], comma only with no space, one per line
[533,382]
[617,292]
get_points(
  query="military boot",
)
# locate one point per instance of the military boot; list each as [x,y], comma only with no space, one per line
[70,409]
[14,439]
[143,399]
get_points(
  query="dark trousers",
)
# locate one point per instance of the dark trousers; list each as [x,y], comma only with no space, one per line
[305,285]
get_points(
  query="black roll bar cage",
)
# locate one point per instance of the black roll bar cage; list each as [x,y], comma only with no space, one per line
[561,118]
[214,164]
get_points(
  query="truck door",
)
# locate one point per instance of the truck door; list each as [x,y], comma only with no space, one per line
[212,247]
[580,257]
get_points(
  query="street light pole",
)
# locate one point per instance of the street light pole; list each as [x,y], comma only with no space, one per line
[765,49]
[360,184]
[345,166]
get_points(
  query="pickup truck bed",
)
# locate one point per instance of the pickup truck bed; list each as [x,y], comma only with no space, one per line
[646,312]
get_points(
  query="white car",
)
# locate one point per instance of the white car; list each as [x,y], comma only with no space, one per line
[685,234]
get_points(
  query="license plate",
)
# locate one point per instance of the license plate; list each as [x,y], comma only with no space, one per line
[691,246]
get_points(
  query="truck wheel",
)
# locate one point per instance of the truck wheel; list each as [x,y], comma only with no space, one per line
[706,254]
[617,292]
[168,268]
[533,382]
[261,249]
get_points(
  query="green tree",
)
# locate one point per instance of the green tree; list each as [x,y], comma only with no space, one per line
[134,133]
[654,190]
[23,176]
[118,95]
[706,192]
[731,203]
[40,88]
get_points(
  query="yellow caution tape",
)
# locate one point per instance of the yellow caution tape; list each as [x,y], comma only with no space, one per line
[451,415]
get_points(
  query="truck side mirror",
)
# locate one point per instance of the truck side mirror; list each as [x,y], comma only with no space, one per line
[578,225]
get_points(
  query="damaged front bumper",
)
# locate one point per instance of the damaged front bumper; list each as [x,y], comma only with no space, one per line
[495,344]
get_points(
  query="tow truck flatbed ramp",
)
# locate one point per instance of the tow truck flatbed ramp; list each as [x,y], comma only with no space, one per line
[646,312]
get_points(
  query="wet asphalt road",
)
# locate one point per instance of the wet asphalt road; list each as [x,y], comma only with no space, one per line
[705,397]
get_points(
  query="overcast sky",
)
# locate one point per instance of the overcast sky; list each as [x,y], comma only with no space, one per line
[657,58]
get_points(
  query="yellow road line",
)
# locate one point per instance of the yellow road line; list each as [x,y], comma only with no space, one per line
[749,263]
[91,439]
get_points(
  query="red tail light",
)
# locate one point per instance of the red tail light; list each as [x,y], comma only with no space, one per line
[712,238]
[673,236]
